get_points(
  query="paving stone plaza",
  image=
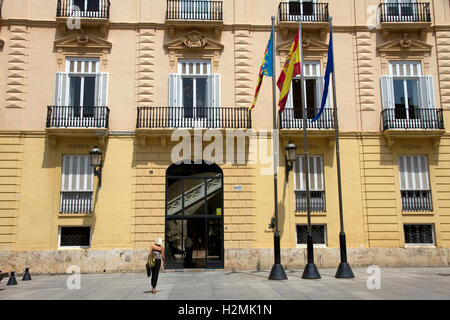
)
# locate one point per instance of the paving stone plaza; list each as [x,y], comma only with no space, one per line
[393,283]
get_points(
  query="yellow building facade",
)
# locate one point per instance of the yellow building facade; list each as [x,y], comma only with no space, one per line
[152,82]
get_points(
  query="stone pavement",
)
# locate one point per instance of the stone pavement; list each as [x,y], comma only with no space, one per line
[396,283]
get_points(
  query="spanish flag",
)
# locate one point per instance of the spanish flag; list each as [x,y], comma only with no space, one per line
[291,68]
[266,68]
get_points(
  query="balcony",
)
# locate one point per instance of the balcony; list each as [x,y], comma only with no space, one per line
[75,202]
[83,12]
[404,17]
[198,13]
[314,17]
[405,12]
[206,118]
[416,200]
[83,9]
[317,201]
[413,119]
[77,117]
[292,118]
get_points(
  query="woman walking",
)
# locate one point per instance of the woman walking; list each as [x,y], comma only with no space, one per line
[158,251]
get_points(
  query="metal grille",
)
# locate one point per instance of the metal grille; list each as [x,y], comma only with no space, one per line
[75,236]
[317,201]
[418,233]
[416,200]
[318,234]
[76,202]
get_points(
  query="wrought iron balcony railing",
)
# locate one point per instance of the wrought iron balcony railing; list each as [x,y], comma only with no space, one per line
[76,202]
[417,118]
[292,118]
[308,11]
[194,10]
[209,117]
[77,117]
[317,201]
[405,12]
[83,8]
[416,200]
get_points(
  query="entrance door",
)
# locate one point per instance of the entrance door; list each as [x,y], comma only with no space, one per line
[194,216]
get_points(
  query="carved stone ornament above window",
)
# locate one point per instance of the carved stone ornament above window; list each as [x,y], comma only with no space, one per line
[309,44]
[405,43]
[83,40]
[2,44]
[194,40]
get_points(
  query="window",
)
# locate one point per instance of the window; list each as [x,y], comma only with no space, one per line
[316,184]
[419,234]
[318,234]
[400,10]
[314,83]
[75,237]
[301,7]
[195,9]
[414,183]
[87,8]
[77,180]
[407,96]
[194,93]
[81,93]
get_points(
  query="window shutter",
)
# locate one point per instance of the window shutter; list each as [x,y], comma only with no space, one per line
[315,174]
[387,92]
[413,173]
[77,174]
[216,90]
[174,90]
[319,92]
[290,98]
[102,89]
[426,85]
[61,80]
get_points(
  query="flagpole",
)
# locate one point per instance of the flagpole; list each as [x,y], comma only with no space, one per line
[344,269]
[310,271]
[277,272]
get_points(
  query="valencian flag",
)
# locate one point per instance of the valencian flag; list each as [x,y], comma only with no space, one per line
[266,68]
[329,69]
[291,69]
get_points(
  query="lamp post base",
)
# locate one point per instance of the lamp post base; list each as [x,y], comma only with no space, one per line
[311,272]
[344,271]
[277,273]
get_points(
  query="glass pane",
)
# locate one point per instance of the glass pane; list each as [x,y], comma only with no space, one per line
[196,237]
[215,240]
[311,97]
[75,91]
[89,95]
[413,98]
[188,97]
[200,97]
[399,93]
[174,197]
[297,99]
[93,5]
[194,197]
[79,3]
[214,190]
[174,253]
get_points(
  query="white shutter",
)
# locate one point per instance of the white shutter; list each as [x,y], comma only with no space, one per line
[290,99]
[315,174]
[426,85]
[319,92]
[387,92]
[413,173]
[101,80]
[77,174]
[216,90]
[174,90]
[60,94]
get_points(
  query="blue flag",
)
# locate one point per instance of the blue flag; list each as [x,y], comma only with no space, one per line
[329,69]
[267,65]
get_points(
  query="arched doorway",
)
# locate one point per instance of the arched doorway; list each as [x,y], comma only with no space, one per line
[194,216]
